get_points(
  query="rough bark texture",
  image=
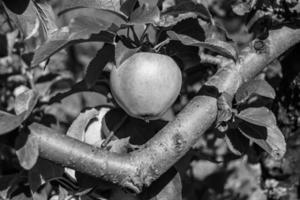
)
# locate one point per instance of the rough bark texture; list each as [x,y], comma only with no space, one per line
[141,168]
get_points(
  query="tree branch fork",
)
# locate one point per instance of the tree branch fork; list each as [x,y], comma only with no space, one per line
[140,168]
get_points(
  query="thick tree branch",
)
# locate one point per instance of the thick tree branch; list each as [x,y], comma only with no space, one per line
[139,169]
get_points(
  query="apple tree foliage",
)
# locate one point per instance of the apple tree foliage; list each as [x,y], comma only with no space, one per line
[52,80]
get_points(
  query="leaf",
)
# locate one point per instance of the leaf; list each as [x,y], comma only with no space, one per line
[62,193]
[145,14]
[215,31]
[243,7]
[188,6]
[128,6]
[259,125]
[16,6]
[9,122]
[68,5]
[61,39]
[170,20]
[42,172]
[253,88]
[237,142]
[223,48]
[224,103]
[46,16]
[101,87]
[274,69]
[27,150]
[95,25]
[94,21]
[97,64]
[21,196]
[79,125]
[122,126]
[37,19]
[26,21]
[44,83]
[4,47]
[119,145]
[190,27]
[260,24]
[149,2]
[9,183]
[122,53]
[25,102]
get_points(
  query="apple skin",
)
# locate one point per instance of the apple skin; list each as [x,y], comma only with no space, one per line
[146,84]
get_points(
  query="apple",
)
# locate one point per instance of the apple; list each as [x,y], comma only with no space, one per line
[146,84]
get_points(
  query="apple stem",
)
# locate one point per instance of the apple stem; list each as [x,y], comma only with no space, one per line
[158,46]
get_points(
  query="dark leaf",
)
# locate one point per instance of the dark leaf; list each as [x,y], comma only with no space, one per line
[221,47]
[21,196]
[190,27]
[27,150]
[260,24]
[167,187]
[145,15]
[16,6]
[188,6]
[123,127]
[237,142]
[4,49]
[95,67]
[42,172]
[25,102]
[128,6]
[45,83]
[101,87]
[9,122]
[99,4]
[252,88]
[122,53]
[259,125]
[88,182]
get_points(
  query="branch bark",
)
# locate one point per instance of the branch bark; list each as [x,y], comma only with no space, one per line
[140,168]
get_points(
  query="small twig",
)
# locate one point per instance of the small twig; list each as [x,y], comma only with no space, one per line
[127,32]
[158,46]
[143,34]
[8,20]
[112,132]
[136,39]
